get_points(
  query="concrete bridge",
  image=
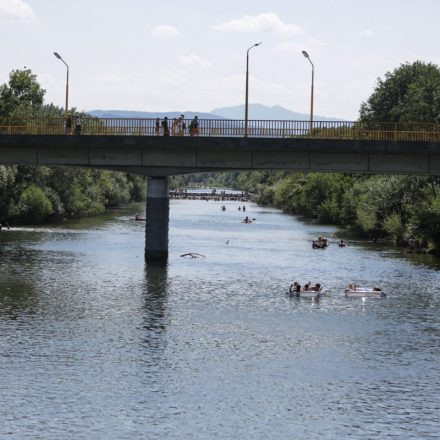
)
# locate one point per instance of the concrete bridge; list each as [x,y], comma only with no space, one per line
[134,146]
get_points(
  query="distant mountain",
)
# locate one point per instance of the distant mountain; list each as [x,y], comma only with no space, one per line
[256,111]
[149,115]
[259,111]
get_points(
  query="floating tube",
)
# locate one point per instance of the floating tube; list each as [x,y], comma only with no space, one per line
[363,292]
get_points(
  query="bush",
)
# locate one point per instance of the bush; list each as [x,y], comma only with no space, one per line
[427,222]
[366,219]
[393,226]
[33,206]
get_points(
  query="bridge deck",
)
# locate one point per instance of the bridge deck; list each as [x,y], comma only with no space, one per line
[172,155]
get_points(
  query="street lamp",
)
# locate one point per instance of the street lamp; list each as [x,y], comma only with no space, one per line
[247,89]
[311,99]
[67,83]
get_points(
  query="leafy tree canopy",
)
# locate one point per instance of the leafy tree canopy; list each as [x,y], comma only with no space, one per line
[22,95]
[411,93]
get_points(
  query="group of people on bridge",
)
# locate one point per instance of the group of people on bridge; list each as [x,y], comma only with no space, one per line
[177,127]
[72,123]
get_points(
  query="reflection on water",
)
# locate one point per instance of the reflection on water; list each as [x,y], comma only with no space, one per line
[96,344]
[156,275]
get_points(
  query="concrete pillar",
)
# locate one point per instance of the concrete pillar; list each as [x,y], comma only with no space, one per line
[156,229]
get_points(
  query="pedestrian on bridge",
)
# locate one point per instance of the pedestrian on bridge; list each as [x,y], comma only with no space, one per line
[194,127]
[157,127]
[182,125]
[175,127]
[78,125]
[165,127]
[68,124]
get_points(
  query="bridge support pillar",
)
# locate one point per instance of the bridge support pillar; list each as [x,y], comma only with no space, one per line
[156,229]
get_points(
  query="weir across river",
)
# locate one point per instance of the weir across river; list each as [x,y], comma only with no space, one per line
[216,196]
[137,146]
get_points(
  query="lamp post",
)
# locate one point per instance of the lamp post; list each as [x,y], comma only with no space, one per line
[247,89]
[67,83]
[311,98]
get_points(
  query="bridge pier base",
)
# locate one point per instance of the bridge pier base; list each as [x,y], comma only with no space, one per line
[156,228]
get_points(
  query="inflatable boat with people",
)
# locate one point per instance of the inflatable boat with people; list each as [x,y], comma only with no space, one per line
[308,291]
[320,243]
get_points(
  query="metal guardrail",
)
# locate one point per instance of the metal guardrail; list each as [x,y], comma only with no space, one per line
[373,131]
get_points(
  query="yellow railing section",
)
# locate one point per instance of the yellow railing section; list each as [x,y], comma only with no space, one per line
[372,131]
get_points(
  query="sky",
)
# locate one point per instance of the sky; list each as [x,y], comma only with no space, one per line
[162,56]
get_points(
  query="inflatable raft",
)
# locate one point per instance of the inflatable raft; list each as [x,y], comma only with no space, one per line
[364,292]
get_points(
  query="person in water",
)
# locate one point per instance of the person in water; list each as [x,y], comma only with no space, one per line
[292,288]
[247,220]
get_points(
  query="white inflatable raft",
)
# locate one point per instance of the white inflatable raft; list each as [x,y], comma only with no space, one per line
[364,292]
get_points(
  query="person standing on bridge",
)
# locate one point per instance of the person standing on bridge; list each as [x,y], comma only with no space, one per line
[165,127]
[78,125]
[175,127]
[157,127]
[182,125]
[194,127]
[68,124]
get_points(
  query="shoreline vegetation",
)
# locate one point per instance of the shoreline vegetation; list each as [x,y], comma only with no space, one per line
[38,195]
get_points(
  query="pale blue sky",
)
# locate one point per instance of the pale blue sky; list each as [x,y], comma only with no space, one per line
[174,55]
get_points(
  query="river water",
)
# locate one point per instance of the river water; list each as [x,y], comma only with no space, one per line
[95,345]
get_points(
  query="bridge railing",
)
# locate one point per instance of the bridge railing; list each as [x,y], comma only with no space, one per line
[374,131]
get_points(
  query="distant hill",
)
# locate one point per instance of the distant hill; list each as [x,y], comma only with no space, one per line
[256,111]
[259,111]
[148,115]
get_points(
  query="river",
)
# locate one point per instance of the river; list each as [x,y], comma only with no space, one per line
[96,345]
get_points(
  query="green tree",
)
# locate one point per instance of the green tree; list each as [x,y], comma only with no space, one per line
[22,96]
[411,93]
[33,206]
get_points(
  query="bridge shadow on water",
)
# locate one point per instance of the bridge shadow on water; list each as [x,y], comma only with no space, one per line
[155,303]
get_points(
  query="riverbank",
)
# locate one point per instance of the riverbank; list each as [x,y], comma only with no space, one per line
[43,195]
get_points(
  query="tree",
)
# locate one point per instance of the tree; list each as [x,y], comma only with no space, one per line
[22,96]
[411,93]
[33,206]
